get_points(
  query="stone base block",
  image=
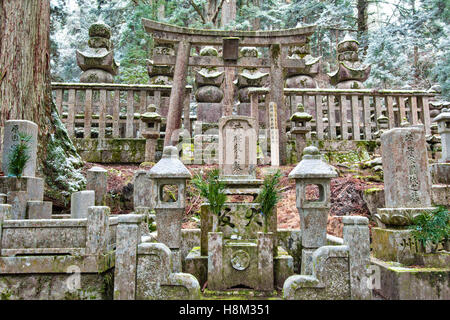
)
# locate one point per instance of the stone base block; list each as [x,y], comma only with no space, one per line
[440,195]
[393,245]
[154,279]
[403,283]
[39,210]
[283,267]
[92,286]
[197,265]
[440,173]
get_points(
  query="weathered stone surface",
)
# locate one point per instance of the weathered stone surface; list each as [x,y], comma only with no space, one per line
[97,230]
[97,61]
[394,245]
[291,241]
[155,279]
[39,210]
[215,260]
[265,261]
[237,146]
[356,236]
[11,132]
[283,267]
[197,265]
[374,199]
[407,182]
[169,171]
[51,286]
[49,235]
[403,283]
[190,238]
[97,180]
[142,191]
[209,93]
[96,76]
[440,173]
[18,201]
[312,170]
[128,238]
[330,279]
[80,202]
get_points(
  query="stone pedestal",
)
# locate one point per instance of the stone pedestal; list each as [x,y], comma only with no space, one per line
[19,191]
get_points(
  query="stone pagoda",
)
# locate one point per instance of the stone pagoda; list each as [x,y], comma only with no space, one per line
[351,73]
[97,62]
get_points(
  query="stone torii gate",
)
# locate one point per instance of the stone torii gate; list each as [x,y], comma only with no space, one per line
[185,38]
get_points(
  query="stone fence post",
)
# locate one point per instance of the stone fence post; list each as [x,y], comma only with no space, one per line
[97,230]
[127,240]
[5,213]
[356,236]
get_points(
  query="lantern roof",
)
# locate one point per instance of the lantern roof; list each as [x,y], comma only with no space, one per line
[312,166]
[169,166]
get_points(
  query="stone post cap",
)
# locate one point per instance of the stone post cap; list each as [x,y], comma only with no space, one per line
[22,121]
[97,169]
[99,208]
[351,220]
[83,192]
[312,166]
[130,218]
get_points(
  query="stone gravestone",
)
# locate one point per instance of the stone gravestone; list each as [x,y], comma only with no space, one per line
[80,202]
[274,135]
[407,187]
[407,183]
[97,180]
[237,146]
[11,138]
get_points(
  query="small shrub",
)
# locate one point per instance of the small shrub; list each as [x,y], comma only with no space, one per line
[432,227]
[269,196]
[212,190]
[19,156]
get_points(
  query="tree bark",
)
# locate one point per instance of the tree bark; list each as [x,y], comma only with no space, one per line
[228,15]
[363,14]
[25,92]
[177,94]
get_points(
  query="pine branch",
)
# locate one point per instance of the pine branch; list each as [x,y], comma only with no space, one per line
[198,10]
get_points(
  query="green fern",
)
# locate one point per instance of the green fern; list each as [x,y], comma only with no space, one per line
[431,227]
[212,190]
[19,156]
[269,196]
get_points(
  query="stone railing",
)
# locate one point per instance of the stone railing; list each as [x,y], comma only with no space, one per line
[102,110]
[77,237]
[346,111]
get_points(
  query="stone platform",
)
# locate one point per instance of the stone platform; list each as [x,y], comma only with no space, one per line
[407,283]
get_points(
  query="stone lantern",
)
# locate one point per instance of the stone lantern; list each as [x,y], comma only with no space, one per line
[169,177]
[299,128]
[152,125]
[441,171]
[312,170]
